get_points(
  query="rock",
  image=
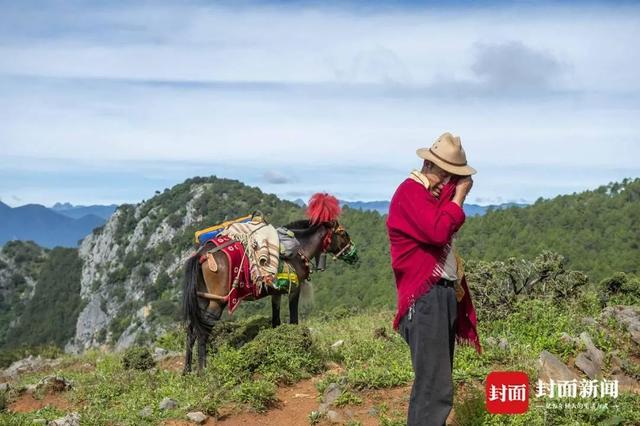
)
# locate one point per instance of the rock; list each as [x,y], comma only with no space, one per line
[550,367]
[55,384]
[616,364]
[591,368]
[323,408]
[72,419]
[146,412]
[334,417]
[4,387]
[594,353]
[592,360]
[629,316]
[626,383]
[569,340]
[331,393]
[160,353]
[503,345]
[168,404]
[29,364]
[197,417]
[589,321]
[337,345]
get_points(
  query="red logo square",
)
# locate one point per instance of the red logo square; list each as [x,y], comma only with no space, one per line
[507,392]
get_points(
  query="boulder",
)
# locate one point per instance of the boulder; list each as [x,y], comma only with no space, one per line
[146,412]
[592,360]
[331,393]
[72,419]
[29,364]
[168,404]
[629,316]
[54,384]
[334,417]
[503,345]
[591,368]
[551,368]
[197,417]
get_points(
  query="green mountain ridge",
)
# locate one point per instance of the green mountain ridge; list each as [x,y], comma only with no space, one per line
[130,270]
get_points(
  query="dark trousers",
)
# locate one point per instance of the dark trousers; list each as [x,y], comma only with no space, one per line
[429,330]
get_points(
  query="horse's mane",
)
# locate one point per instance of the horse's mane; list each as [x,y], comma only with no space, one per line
[303,228]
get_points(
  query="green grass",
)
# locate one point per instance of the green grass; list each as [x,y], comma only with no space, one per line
[245,375]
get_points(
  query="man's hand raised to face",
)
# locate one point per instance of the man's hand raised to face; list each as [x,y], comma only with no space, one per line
[462,189]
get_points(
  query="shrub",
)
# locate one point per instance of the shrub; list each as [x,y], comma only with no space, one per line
[258,394]
[238,333]
[284,354]
[138,358]
[620,289]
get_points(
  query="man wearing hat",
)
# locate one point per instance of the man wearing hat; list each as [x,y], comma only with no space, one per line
[434,303]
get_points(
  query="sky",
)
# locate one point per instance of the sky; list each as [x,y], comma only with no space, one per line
[108,102]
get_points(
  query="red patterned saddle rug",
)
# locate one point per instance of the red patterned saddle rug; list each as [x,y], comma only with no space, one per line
[245,287]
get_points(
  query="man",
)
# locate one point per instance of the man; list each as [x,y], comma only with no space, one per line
[434,304]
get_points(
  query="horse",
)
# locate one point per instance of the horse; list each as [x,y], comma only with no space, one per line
[204,290]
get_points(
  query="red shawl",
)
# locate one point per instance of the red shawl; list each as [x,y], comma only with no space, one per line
[420,229]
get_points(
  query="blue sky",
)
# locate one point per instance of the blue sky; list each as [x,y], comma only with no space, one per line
[109,102]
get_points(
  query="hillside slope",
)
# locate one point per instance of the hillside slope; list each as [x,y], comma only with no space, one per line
[597,231]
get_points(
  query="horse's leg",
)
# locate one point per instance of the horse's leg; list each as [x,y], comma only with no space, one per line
[275,310]
[191,339]
[215,283]
[294,298]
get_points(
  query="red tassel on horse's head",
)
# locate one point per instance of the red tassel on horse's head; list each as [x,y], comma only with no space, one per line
[323,208]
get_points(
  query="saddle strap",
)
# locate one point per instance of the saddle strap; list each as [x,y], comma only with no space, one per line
[203,257]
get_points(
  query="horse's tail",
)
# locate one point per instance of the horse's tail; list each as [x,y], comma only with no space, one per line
[190,307]
[306,293]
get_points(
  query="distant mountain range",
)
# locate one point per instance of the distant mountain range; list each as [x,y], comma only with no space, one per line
[382,207]
[76,212]
[63,225]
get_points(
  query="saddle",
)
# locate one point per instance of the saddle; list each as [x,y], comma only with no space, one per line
[268,252]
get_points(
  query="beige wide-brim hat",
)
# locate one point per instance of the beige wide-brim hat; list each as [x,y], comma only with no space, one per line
[448,154]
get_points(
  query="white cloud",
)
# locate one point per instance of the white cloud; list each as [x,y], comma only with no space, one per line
[329,88]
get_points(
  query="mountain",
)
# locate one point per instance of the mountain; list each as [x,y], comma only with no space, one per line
[382,207]
[44,226]
[19,270]
[597,231]
[123,285]
[77,212]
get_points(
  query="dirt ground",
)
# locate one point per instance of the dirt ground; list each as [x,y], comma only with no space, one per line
[27,403]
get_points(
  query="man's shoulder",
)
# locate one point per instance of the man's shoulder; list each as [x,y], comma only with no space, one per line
[409,187]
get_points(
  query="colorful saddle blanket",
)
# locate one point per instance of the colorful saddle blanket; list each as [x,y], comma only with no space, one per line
[245,286]
[207,234]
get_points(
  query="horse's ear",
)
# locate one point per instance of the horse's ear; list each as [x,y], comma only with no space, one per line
[323,208]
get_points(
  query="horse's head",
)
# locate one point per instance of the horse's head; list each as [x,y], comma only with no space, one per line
[341,245]
[324,209]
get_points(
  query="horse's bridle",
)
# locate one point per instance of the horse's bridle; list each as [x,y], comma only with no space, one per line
[346,253]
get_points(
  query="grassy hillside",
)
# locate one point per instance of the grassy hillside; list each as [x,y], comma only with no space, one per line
[127,388]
